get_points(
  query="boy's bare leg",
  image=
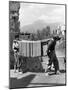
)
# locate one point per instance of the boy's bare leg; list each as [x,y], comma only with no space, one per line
[15,64]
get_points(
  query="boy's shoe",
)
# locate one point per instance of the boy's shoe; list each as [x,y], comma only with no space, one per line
[46,74]
[58,72]
[15,71]
[49,69]
[20,72]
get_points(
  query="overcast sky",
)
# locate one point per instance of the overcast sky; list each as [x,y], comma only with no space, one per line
[30,12]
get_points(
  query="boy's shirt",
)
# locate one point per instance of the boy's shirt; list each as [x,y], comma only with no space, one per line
[15,47]
[51,46]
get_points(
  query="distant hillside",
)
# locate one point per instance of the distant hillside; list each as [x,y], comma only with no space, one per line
[38,25]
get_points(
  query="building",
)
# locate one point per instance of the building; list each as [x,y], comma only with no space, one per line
[14,23]
[14,16]
[61,30]
[25,36]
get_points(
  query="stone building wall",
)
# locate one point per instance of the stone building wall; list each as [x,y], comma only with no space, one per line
[14,16]
[14,24]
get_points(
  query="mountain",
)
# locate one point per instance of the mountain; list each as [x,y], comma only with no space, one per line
[38,25]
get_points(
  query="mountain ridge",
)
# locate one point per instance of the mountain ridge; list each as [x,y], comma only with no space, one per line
[38,25]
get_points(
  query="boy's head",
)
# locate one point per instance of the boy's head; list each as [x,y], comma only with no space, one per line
[16,37]
[14,41]
[56,38]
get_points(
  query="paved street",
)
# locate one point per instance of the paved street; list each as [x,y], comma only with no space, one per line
[32,79]
[36,79]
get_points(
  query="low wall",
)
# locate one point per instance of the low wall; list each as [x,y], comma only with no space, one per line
[32,64]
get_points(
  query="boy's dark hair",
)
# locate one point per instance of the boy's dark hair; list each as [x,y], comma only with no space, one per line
[56,38]
[17,36]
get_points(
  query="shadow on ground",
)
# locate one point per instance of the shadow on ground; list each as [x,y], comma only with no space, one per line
[21,83]
[48,84]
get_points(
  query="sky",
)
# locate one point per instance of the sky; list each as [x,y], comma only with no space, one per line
[50,13]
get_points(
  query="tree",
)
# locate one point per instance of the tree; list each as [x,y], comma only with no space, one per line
[39,37]
[48,32]
[45,33]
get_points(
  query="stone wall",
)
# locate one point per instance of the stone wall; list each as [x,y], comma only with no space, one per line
[14,16]
[32,64]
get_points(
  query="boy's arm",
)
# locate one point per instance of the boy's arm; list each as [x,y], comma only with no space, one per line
[49,46]
[13,47]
